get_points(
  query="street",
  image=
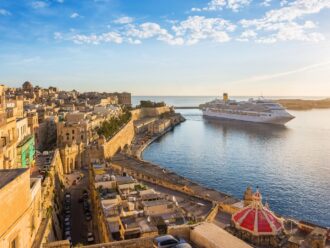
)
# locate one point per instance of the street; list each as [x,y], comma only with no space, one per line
[80,227]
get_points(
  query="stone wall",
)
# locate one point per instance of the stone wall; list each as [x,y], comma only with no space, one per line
[153,112]
[50,229]
[132,243]
[182,231]
[104,149]
[20,211]
[213,213]
[118,142]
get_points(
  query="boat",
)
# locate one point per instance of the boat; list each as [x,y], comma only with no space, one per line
[259,111]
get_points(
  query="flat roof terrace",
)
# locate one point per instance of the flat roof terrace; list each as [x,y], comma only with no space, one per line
[6,176]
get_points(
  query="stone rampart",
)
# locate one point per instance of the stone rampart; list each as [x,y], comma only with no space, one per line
[132,243]
[120,140]
[126,134]
[153,112]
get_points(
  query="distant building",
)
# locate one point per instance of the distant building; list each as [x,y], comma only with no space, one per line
[124,98]
[27,86]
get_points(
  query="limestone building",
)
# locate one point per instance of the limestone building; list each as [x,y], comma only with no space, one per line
[8,133]
[73,136]
[20,213]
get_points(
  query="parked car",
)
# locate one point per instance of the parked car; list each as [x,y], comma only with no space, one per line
[88,216]
[90,238]
[86,205]
[183,245]
[168,241]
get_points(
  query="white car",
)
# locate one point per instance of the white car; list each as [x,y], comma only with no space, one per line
[90,238]
[168,241]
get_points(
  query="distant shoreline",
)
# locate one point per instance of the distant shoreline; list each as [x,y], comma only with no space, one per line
[299,104]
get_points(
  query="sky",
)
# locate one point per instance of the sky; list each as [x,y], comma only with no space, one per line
[168,47]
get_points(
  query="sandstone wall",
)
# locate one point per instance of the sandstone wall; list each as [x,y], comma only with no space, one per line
[133,243]
[154,112]
[122,138]
[182,231]
[15,198]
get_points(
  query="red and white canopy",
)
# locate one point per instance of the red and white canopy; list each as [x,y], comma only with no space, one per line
[257,219]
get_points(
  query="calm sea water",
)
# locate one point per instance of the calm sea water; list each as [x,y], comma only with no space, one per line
[291,164]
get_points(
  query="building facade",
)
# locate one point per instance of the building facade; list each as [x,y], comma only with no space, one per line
[21,212]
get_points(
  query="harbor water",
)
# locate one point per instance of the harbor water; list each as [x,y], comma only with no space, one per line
[290,164]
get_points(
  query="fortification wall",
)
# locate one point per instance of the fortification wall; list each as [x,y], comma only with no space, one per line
[122,138]
[126,134]
[154,112]
[133,243]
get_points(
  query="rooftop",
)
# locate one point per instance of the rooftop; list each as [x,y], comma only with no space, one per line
[155,203]
[216,235]
[6,176]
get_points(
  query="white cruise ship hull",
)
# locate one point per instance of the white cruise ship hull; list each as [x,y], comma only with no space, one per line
[279,118]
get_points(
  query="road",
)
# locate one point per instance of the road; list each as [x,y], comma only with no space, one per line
[79,226]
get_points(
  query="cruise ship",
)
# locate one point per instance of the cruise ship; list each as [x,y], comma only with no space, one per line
[259,110]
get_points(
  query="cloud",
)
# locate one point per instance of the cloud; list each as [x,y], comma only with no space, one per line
[266,3]
[134,41]
[74,15]
[247,35]
[110,37]
[285,73]
[235,5]
[214,5]
[124,20]
[197,28]
[285,24]
[291,12]
[153,30]
[58,36]
[4,12]
[190,31]
[39,4]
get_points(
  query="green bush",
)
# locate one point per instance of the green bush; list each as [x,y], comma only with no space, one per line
[110,127]
[150,104]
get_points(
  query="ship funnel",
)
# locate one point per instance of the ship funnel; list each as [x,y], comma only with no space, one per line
[225,97]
